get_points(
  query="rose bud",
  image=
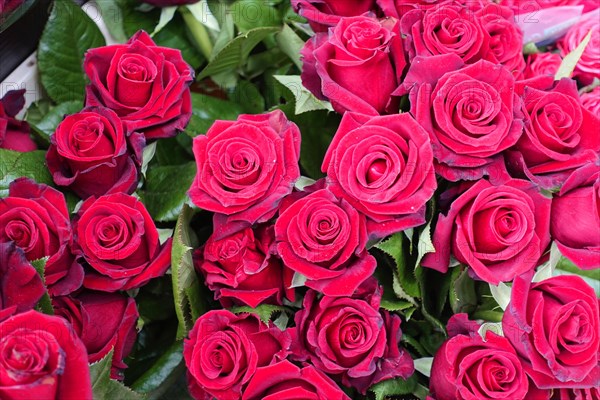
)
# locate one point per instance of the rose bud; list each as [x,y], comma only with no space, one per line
[554,326]
[145,84]
[14,134]
[322,14]
[116,236]
[91,154]
[591,101]
[285,381]
[36,218]
[542,64]
[245,168]
[500,231]
[103,322]
[383,167]
[468,366]
[21,286]
[224,351]
[588,66]
[240,270]
[42,358]
[357,66]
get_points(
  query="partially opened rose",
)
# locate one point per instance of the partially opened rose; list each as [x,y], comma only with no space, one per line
[42,358]
[92,154]
[322,14]
[588,66]
[117,239]
[554,326]
[383,167]
[145,84]
[14,134]
[591,101]
[35,217]
[542,64]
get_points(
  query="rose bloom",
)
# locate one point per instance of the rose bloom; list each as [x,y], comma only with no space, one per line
[285,381]
[470,112]
[322,14]
[350,339]
[103,322]
[224,351]
[42,358]
[500,231]
[383,167]
[92,154]
[116,236]
[357,66]
[14,134]
[240,269]
[560,135]
[579,200]
[21,286]
[542,64]
[36,218]
[554,326]
[145,84]
[245,168]
[588,66]
[591,101]
[468,366]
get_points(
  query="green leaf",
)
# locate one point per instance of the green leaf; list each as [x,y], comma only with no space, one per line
[298,280]
[147,156]
[501,294]
[395,305]
[14,164]
[463,298]
[166,15]
[570,61]
[394,387]
[203,14]
[425,244]
[207,110]
[186,288]
[166,189]
[264,311]
[163,372]
[291,44]
[46,125]
[305,100]
[105,388]
[234,54]
[423,365]
[394,247]
[249,14]
[248,97]
[113,18]
[68,34]
[45,304]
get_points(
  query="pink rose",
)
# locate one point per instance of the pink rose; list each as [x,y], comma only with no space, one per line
[542,64]
[322,14]
[591,101]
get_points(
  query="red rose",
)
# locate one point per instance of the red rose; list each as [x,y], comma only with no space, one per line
[470,112]
[468,366]
[42,358]
[285,381]
[579,200]
[20,285]
[554,326]
[588,66]
[356,66]
[145,84]
[500,231]
[350,339]
[591,101]
[324,239]
[224,351]
[91,154]
[116,237]
[383,167]
[14,134]
[245,168]
[36,218]
[241,271]
[560,135]
[542,64]
[322,14]
[103,322]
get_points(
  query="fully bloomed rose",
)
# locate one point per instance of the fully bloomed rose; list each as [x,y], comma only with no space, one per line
[588,66]
[591,101]
[42,358]
[14,134]
[579,200]
[286,381]
[245,168]
[103,322]
[322,14]
[560,135]
[470,112]
[324,238]
[500,231]
[36,218]
[240,270]
[554,326]
[145,84]
[92,154]
[224,351]
[542,64]
[468,366]
[350,339]
[357,66]
[21,286]
[116,237]
[383,167]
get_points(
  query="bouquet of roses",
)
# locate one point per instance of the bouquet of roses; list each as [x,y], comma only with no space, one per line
[314,199]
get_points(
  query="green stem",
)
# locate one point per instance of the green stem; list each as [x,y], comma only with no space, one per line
[199,33]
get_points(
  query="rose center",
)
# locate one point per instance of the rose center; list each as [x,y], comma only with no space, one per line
[112,232]
[20,232]
[86,133]
[377,170]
